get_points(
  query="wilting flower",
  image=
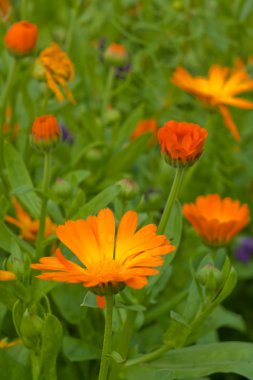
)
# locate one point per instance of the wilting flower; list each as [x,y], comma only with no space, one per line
[5,344]
[55,66]
[182,143]
[6,275]
[45,133]
[21,38]
[28,227]
[106,259]
[145,126]
[217,220]
[218,90]
[5,9]
[244,250]
[116,54]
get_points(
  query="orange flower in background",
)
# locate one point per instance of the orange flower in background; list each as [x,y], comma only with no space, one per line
[5,275]
[55,66]
[125,259]
[5,344]
[181,142]
[46,132]
[28,227]
[7,124]
[218,90]
[145,126]
[21,38]
[5,9]
[116,54]
[217,220]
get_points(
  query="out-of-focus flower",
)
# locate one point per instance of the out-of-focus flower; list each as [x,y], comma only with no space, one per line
[5,344]
[6,126]
[217,220]
[45,133]
[129,188]
[218,90]
[146,126]
[6,275]
[28,227]
[244,250]
[66,134]
[182,143]
[107,260]
[55,66]
[116,54]
[21,38]
[5,9]
[121,71]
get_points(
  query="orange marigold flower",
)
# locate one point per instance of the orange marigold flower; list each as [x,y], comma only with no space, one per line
[21,38]
[5,9]
[145,126]
[217,220]
[181,142]
[5,275]
[115,54]
[106,259]
[28,227]
[55,66]
[218,90]
[46,132]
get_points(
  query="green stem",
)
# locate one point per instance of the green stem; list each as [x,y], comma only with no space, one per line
[104,366]
[43,211]
[124,341]
[107,92]
[149,357]
[72,22]
[35,366]
[171,198]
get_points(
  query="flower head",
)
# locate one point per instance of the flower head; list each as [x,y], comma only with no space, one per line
[125,259]
[55,66]
[6,275]
[145,126]
[116,54]
[217,220]
[21,38]
[218,90]
[181,142]
[45,133]
[28,227]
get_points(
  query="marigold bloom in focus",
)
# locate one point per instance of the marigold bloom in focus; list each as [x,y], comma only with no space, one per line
[5,9]
[218,90]
[55,66]
[46,132]
[181,142]
[145,126]
[217,220]
[6,275]
[21,38]
[28,227]
[106,259]
[115,54]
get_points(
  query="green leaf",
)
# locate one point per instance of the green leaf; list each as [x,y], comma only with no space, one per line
[98,202]
[7,296]
[14,363]
[77,350]
[6,238]
[129,125]
[90,300]
[50,345]
[204,360]
[177,332]
[20,181]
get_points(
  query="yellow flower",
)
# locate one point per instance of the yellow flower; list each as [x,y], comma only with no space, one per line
[218,90]
[55,66]
[5,275]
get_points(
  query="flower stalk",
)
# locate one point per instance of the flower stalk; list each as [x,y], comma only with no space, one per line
[107,92]
[43,211]
[107,343]
[171,198]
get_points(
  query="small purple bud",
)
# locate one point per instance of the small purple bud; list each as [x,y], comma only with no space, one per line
[66,134]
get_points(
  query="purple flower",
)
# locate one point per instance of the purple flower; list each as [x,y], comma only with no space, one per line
[122,70]
[66,134]
[244,250]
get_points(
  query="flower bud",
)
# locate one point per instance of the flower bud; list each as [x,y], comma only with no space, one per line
[116,54]
[129,188]
[45,133]
[21,38]
[62,188]
[209,276]
[30,329]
